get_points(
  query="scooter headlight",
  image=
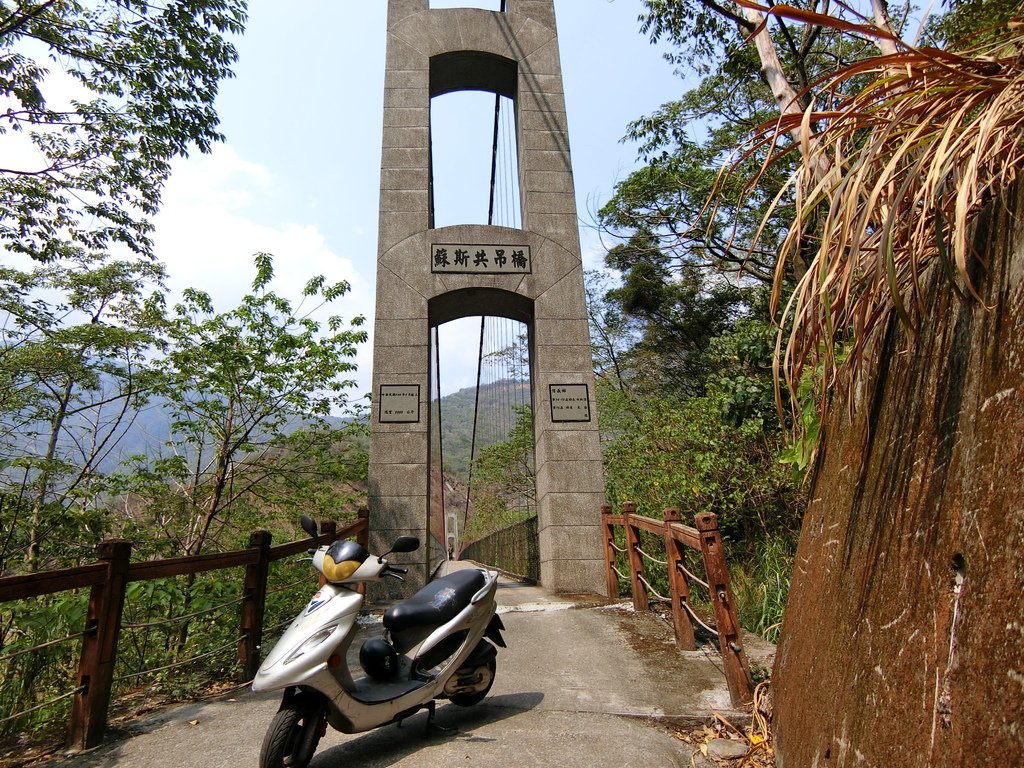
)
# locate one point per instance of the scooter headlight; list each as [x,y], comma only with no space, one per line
[310,643]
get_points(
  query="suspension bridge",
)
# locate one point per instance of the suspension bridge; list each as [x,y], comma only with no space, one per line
[584,678]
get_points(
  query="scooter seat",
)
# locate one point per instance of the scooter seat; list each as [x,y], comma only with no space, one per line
[439,601]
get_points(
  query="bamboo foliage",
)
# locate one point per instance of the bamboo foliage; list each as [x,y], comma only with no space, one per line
[907,151]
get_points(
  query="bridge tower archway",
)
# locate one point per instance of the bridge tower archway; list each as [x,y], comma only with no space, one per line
[533,273]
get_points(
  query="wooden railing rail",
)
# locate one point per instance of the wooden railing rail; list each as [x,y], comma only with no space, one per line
[108,580]
[677,537]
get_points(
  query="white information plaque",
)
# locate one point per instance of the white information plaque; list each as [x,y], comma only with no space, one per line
[399,403]
[569,402]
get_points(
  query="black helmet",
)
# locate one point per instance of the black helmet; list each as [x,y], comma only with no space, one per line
[379,658]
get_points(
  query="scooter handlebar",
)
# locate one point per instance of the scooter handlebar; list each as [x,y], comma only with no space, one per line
[395,571]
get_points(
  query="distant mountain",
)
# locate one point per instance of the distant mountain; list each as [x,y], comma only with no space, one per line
[146,432]
[494,418]
[143,432]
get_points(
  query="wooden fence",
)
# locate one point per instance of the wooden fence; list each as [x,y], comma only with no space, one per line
[706,539]
[108,579]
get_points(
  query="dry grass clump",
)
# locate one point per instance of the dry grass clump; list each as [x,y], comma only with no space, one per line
[910,148]
[756,737]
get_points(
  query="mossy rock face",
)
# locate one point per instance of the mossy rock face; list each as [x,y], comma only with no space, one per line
[903,642]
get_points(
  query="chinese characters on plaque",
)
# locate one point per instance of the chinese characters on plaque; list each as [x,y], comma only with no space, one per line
[480,259]
[399,403]
[569,402]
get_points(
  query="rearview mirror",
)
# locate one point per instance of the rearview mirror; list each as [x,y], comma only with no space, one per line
[309,526]
[405,544]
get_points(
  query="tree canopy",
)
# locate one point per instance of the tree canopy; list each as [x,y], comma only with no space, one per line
[104,95]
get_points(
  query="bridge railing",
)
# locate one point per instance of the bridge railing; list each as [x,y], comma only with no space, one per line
[108,580]
[673,540]
[513,550]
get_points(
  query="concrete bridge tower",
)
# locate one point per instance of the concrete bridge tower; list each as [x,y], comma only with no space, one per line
[534,274]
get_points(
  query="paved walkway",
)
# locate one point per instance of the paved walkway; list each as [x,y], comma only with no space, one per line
[582,683]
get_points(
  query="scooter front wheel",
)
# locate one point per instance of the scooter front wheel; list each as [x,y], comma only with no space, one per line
[293,734]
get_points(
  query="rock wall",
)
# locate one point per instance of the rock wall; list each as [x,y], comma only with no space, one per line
[903,640]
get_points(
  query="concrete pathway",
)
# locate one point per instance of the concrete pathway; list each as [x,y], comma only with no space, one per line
[582,683]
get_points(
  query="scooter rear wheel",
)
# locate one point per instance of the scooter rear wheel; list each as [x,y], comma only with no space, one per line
[469,699]
[293,734]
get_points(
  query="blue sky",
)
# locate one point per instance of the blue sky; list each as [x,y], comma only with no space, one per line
[298,175]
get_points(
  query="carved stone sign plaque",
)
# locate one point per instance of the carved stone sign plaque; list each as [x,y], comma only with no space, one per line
[480,259]
[569,402]
[399,403]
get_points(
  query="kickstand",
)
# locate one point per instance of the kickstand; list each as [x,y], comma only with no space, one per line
[433,727]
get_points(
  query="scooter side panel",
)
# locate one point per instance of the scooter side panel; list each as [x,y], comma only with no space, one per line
[349,715]
[332,608]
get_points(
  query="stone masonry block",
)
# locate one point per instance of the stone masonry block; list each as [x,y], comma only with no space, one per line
[573,576]
[572,508]
[561,331]
[542,50]
[564,299]
[399,9]
[396,226]
[562,357]
[412,431]
[406,117]
[405,98]
[549,86]
[395,300]
[397,447]
[393,361]
[543,118]
[539,140]
[548,202]
[580,476]
[572,542]
[561,228]
[545,160]
[562,439]
[404,199]
[541,11]
[406,137]
[549,182]
[414,81]
[404,157]
[485,31]
[400,480]
[399,333]
[404,178]
[402,53]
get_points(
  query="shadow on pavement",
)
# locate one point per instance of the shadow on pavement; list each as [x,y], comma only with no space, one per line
[389,744]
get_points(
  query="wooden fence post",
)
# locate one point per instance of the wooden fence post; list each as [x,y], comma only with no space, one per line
[675,552]
[329,528]
[734,659]
[611,579]
[636,560]
[363,536]
[99,648]
[254,598]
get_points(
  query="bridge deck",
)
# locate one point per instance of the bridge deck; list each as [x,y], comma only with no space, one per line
[581,683]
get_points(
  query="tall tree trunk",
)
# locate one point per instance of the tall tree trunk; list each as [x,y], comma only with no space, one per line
[43,491]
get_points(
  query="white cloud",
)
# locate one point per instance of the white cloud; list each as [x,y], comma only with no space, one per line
[218,211]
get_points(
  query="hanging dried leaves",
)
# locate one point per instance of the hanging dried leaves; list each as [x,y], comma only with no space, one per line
[893,173]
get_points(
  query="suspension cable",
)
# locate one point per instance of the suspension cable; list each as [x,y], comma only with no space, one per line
[494,157]
[476,412]
[440,437]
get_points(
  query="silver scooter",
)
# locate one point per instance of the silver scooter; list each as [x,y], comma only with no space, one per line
[435,647]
